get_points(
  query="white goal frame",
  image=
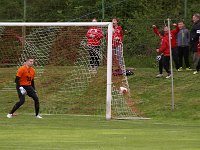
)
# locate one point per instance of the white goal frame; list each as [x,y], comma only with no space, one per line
[109,49]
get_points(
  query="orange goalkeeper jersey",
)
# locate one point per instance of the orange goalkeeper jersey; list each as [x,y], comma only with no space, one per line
[26,75]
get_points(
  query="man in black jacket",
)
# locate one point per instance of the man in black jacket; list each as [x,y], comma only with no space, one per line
[194,36]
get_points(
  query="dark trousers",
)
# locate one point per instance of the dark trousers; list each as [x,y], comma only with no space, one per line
[94,55]
[183,52]
[175,57]
[160,65]
[31,93]
[198,66]
[166,64]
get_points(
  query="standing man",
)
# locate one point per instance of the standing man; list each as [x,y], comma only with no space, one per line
[94,36]
[117,43]
[25,85]
[194,35]
[198,52]
[183,39]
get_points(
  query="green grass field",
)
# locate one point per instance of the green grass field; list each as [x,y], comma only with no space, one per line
[167,130]
[61,132]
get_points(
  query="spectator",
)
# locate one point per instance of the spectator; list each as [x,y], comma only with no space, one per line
[198,65]
[183,46]
[194,35]
[160,55]
[173,42]
[164,48]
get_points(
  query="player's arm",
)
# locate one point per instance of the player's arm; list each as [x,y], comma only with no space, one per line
[99,34]
[17,82]
[17,79]
[121,34]
[156,31]
[33,84]
[175,31]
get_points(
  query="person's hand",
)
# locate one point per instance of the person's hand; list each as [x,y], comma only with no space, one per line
[116,38]
[174,24]
[91,35]
[22,90]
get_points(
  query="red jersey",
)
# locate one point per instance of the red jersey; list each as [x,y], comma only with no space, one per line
[198,47]
[94,36]
[26,75]
[164,46]
[117,36]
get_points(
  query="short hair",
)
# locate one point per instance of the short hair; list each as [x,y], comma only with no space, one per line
[29,57]
[197,15]
[181,21]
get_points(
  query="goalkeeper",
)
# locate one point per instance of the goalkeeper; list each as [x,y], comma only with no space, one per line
[25,85]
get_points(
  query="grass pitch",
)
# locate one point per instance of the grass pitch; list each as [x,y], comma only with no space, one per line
[167,130]
[61,132]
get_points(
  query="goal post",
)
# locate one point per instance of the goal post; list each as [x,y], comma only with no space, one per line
[61,50]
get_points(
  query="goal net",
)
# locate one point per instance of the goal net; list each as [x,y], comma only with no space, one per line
[72,76]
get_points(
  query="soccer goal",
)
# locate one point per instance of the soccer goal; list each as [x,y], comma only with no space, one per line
[72,76]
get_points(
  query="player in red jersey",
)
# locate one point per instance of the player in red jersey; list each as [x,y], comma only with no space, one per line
[94,36]
[117,44]
[164,48]
[25,85]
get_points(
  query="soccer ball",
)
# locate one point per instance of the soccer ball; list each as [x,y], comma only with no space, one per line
[123,90]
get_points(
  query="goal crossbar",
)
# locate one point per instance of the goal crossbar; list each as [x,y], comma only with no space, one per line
[55,23]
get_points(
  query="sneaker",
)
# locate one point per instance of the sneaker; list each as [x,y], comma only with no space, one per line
[195,72]
[39,117]
[180,69]
[9,115]
[168,76]
[188,69]
[159,76]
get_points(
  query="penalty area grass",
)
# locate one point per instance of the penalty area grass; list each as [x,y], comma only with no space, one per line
[61,132]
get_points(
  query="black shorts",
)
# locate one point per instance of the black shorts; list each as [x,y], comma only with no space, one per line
[30,91]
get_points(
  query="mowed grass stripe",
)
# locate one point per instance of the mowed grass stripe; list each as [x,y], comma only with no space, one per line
[95,133]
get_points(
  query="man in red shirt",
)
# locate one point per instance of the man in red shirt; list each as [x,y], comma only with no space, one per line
[94,36]
[25,85]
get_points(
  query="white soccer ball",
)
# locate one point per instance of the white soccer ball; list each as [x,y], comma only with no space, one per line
[123,90]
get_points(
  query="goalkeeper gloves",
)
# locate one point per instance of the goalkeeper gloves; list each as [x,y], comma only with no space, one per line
[22,90]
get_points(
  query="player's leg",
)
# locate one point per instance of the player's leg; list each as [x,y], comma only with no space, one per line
[175,57]
[32,93]
[180,57]
[166,63]
[96,56]
[92,55]
[160,66]
[18,104]
[186,57]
